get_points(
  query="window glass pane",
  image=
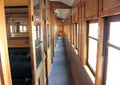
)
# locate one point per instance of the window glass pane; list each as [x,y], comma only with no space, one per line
[21,28]
[35,37]
[25,28]
[92,55]
[113,70]
[73,34]
[77,35]
[115,33]
[93,30]
[38,31]
[11,29]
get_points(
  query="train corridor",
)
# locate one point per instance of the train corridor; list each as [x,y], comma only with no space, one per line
[60,73]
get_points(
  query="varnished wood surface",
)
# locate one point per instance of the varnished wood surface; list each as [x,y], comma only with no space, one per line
[1,73]
[4,48]
[82,11]
[16,3]
[20,35]
[32,42]
[91,10]
[16,43]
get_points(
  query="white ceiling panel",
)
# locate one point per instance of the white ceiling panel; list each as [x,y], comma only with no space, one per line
[64,13]
[68,2]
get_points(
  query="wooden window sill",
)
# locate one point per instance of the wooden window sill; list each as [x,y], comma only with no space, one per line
[92,77]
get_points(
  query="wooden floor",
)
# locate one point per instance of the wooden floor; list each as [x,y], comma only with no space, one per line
[60,74]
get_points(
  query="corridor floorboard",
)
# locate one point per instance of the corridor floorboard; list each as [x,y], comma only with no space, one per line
[60,73]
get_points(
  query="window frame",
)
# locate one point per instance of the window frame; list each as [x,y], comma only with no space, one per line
[87,39]
[107,44]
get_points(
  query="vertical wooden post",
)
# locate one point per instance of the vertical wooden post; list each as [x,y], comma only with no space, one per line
[4,48]
[99,54]
[1,72]
[84,50]
[32,41]
[80,32]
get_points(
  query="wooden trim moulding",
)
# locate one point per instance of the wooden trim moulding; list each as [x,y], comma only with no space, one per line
[114,11]
[17,15]
[16,6]
[91,17]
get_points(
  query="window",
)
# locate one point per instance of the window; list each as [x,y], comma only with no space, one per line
[39,31]
[21,28]
[35,32]
[74,28]
[72,32]
[11,30]
[112,53]
[77,34]
[92,45]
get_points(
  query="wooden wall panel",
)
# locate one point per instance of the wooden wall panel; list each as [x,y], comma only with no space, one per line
[73,18]
[60,28]
[109,7]
[66,28]
[80,32]
[91,9]
[75,15]
[109,4]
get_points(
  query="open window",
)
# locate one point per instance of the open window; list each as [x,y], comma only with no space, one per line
[92,45]
[111,51]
